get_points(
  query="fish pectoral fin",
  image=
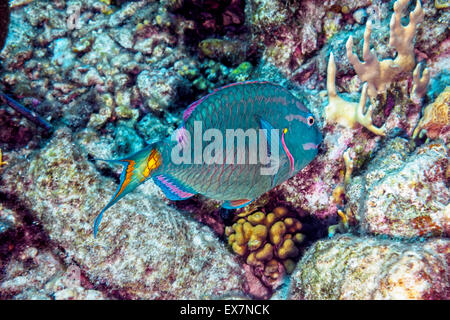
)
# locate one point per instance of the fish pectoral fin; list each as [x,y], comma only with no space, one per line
[268,132]
[173,189]
[236,204]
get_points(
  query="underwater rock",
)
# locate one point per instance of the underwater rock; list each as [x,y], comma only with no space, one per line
[352,268]
[150,127]
[401,194]
[206,18]
[159,88]
[159,253]
[126,139]
[228,51]
[293,31]
[436,118]
[266,15]
[8,219]
[360,16]
[4,22]
[39,274]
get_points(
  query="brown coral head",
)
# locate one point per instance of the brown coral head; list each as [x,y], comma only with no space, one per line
[268,242]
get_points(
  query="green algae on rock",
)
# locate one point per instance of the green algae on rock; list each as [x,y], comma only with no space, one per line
[230,51]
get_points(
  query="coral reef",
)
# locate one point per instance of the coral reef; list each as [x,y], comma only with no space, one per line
[403,194]
[353,268]
[110,76]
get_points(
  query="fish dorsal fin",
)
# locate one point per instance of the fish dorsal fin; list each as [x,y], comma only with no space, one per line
[172,188]
[190,109]
[236,204]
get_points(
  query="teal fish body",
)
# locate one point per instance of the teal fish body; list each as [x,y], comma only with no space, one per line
[235,144]
[243,106]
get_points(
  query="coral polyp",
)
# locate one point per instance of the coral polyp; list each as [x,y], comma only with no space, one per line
[267,241]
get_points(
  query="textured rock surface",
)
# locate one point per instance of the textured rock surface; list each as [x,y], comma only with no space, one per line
[348,267]
[158,254]
[402,194]
[39,274]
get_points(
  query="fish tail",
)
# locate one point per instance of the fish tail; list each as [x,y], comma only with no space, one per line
[138,167]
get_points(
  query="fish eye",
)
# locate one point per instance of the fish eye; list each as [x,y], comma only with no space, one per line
[310,121]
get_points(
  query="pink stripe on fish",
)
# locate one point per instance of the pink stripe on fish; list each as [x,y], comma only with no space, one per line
[191,107]
[173,188]
[288,153]
[309,145]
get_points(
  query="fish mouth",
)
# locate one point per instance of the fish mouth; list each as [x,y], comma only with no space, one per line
[322,148]
[320,145]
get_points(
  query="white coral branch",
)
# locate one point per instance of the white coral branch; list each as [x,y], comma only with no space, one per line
[380,74]
[344,112]
[401,38]
[368,71]
[420,84]
[365,119]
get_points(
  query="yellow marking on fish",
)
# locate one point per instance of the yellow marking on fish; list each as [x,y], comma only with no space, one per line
[128,176]
[153,162]
[1,159]
[343,217]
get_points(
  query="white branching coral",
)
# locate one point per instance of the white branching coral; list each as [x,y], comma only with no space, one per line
[379,74]
[419,88]
[344,112]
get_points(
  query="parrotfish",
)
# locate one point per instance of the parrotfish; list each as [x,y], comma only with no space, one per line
[234,144]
